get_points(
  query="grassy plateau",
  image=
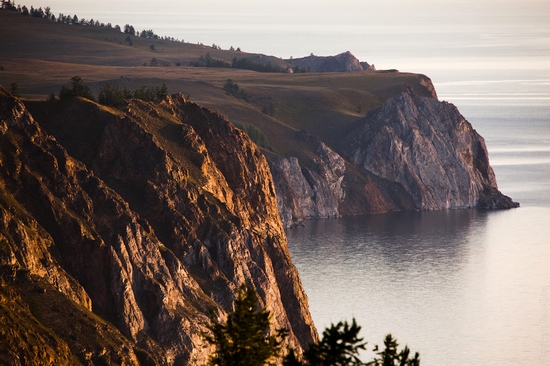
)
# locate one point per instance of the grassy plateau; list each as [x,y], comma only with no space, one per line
[40,56]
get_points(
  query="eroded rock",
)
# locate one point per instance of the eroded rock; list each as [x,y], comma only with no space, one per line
[151,219]
[430,149]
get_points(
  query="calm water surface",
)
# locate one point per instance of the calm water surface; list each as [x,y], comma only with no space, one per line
[460,287]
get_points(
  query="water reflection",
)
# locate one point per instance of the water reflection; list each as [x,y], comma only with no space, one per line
[458,282]
[401,272]
[411,242]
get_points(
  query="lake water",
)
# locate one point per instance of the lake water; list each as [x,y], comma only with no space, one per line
[461,287]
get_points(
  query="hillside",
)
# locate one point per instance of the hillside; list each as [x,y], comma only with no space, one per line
[40,56]
[300,119]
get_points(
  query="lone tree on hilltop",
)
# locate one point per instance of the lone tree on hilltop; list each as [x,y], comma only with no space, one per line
[244,340]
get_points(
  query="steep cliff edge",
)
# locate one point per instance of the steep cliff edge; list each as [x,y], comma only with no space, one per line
[306,193]
[412,153]
[331,187]
[430,149]
[147,218]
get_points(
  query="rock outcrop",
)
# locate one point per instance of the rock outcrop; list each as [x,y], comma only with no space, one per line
[330,187]
[428,148]
[343,62]
[412,153]
[138,223]
[309,192]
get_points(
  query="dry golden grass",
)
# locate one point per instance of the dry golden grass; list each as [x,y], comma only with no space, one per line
[40,56]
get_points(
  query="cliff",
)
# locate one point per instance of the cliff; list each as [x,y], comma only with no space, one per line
[430,149]
[121,230]
[306,193]
[412,153]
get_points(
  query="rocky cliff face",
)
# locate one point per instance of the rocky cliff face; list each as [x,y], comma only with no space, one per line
[413,153]
[428,148]
[309,192]
[139,223]
[343,62]
[121,230]
[329,187]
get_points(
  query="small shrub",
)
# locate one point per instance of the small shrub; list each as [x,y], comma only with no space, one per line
[230,87]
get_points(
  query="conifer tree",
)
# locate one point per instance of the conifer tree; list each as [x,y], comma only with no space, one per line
[391,357]
[110,94]
[339,346]
[14,89]
[244,339]
[78,89]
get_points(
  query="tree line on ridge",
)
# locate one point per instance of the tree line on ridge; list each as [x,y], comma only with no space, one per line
[46,13]
[109,94]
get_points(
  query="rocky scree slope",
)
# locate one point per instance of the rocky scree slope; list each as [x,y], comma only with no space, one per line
[121,230]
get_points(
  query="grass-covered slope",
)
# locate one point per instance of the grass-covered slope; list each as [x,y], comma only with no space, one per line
[40,56]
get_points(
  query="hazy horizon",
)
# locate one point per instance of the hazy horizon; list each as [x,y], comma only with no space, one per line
[471,43]
[287,26]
